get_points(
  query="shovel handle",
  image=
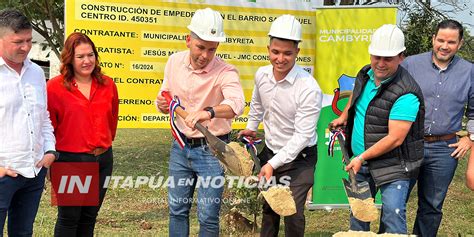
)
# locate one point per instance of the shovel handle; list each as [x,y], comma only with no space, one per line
[255,159]
[180,111]
[183,114]
[345,157]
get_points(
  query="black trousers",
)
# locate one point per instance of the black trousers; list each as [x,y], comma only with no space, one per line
[301,172]
[80,220]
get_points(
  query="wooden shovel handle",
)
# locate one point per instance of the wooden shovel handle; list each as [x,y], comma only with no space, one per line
[346,160]
[180,111]
[183,114]
[255,159]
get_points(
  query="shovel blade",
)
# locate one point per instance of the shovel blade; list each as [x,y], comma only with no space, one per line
[217,145]
[361,190]
[256,161]
[228,158]
[222,151]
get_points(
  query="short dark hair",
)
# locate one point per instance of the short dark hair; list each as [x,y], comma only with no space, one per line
[450,24]
[14,20]
[294,41]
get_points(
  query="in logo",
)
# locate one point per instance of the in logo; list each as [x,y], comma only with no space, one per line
[75,184]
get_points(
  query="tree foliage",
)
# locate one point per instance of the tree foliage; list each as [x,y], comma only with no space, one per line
[420,26]
[418,31]
[46,16]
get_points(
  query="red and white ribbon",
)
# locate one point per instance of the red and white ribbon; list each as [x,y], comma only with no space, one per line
[174,129]
[332,140]
[250,143]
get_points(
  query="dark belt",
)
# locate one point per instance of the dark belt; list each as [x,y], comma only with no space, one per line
[435,138]
[305,150]
[200,141]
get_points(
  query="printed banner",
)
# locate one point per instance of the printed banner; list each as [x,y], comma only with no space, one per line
[135,39]
[342,40]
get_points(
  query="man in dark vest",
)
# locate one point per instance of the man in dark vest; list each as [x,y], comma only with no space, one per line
[384,128]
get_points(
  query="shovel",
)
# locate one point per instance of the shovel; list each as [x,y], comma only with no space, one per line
[257,167]
[358,194]
[224,153]
[256,163]
[274,203]
[353,189]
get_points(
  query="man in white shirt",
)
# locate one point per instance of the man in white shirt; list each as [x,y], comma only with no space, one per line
[288,101]
[26,135]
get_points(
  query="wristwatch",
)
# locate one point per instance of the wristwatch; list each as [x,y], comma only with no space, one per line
[55,153]
[471,136]
[211,111]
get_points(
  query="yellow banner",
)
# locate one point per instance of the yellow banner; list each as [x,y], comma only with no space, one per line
[342,41]
[342,38]
[135,39]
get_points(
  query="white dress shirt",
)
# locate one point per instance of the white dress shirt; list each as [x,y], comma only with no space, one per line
[289,110]
[26,132]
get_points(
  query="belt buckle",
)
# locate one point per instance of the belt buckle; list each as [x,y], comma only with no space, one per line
[434,138]
[202,141]
[98,151]
[193,142]
[430,139]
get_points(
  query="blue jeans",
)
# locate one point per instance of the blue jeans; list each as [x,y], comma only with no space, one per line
[393,216]
[436,173]
[19,198]
[186,166]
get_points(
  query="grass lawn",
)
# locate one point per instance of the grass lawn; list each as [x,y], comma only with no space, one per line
[145,152]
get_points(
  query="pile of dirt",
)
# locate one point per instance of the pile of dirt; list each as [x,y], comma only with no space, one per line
[236,222]
[245,159]
[280,200]
[351,233]
[364,210]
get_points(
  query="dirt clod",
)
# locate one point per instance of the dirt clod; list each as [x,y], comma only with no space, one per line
[145,225]
[280,200]
[364,210]
[245,160]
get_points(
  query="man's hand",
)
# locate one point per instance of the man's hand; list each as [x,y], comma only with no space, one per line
[247,133]
[7,171]
[161,104]
[462,146]
[266,172]
[46,162]
[355,165]
[337,123]
[197,117]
